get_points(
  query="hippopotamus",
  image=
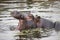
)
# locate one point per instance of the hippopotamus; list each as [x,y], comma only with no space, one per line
[25,17]
[29,21]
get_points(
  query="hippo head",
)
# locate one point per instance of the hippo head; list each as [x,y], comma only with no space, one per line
[16,14]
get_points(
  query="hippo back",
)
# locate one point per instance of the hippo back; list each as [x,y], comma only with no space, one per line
[47,23]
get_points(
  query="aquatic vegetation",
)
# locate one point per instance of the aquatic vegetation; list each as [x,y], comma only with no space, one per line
[34,33]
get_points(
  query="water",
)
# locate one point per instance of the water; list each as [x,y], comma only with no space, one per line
[48,10]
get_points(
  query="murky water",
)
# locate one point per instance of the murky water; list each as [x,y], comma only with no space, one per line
[48,10]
